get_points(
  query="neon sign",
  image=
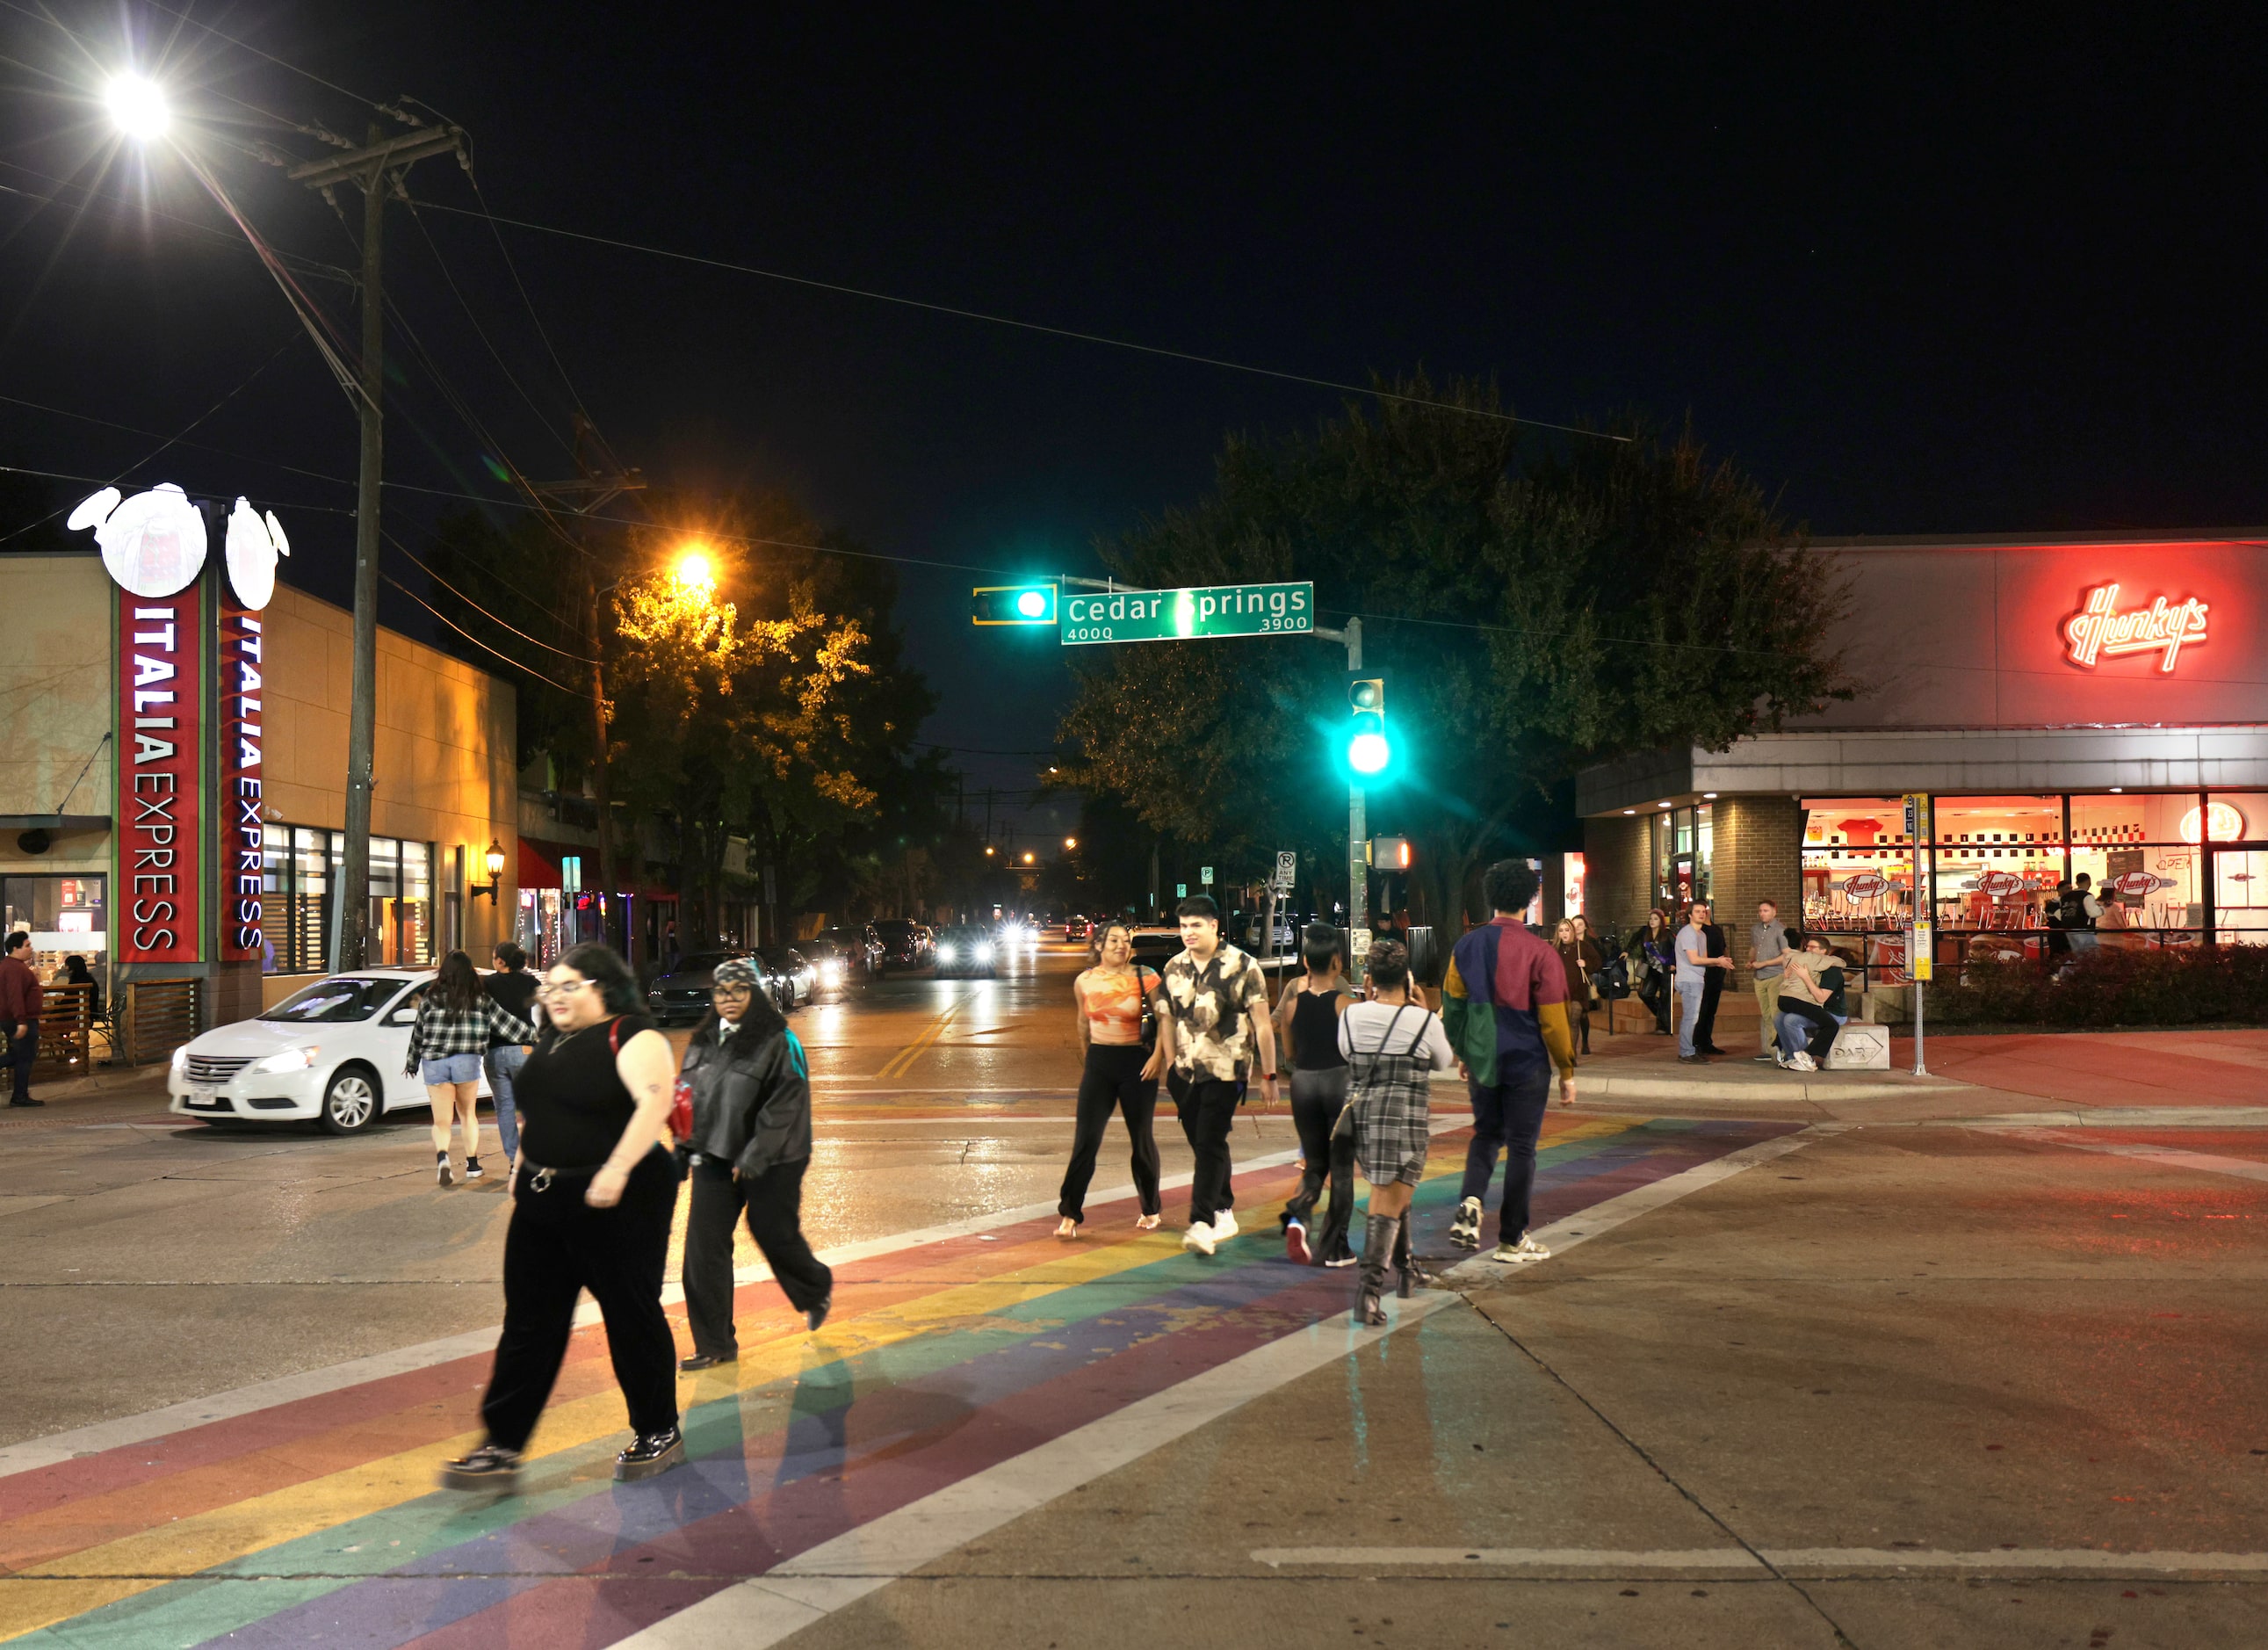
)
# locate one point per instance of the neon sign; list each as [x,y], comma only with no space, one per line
[2218,819]
[2099,631]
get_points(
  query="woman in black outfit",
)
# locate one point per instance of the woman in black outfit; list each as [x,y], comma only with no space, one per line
[593,1195]
[1307,1024]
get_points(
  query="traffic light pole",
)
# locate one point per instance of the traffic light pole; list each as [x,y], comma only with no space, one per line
[1358,822]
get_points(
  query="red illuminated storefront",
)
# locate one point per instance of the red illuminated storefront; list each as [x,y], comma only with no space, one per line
[2095,706]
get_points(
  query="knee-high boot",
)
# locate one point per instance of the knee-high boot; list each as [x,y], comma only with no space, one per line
[1409,1274]
[1377,1245]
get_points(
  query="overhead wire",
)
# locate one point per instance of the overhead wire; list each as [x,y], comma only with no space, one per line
[474,640]
[489,343]
[1073,333]
[580,658]
[302,265]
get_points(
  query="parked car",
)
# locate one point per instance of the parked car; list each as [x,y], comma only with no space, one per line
[332,1051]
[1154,947]
[967,951]
[680,997]
[788,975]
[1252,932]
[856,946]
[839,967]
[905,943]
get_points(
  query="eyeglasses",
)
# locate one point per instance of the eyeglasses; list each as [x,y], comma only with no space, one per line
[566,989]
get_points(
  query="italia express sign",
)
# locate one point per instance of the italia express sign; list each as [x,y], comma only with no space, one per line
[189,760]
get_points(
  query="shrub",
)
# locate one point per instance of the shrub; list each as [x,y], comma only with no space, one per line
[2180,986]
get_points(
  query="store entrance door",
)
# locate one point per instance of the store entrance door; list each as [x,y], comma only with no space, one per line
[2240,895]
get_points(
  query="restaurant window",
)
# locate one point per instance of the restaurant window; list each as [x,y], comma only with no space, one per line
[1998,860]
[1683,841]
[66,916]
[2235,816]
[1858,864]
[2129,847]
[414,907]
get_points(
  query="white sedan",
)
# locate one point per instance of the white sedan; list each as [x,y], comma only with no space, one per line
[332,1051]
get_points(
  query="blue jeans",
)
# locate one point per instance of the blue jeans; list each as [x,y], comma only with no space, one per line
[1691,989]
[449,1068]
[1508,1116]
[504,1070]
[1800,1030]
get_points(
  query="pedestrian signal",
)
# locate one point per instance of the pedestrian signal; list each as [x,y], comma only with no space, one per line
[1368,751]
[1013,604]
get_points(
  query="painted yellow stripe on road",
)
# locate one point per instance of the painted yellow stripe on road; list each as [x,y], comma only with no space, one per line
[913,1052]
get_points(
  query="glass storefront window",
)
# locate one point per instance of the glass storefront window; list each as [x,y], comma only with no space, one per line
[66,916]
[1998,860]
[2240,895]
[2236,816]
[1857,865]
[414,920]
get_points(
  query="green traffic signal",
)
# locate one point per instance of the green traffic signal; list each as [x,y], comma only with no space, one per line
[1368,751]
[1013,604]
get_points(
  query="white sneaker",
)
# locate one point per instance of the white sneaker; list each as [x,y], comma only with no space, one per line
[1223,1227]
[1518,1253]
[1465,1230]
[1800,1061]
[1198,1237]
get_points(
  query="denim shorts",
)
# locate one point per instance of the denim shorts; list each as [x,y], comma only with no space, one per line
[454,1068]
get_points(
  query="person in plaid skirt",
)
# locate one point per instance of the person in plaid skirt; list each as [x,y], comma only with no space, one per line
[1394,1045]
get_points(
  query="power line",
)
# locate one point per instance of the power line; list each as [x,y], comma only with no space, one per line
[1025,325]
[304,266]
[580,658]
[157,5]
[470,636]
[494,353]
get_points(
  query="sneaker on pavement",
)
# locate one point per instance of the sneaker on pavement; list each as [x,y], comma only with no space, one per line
[1198,1237]
[473,1169]
[1768,1054]
[1295,1242]
[490,1467]
[1519,1254]
[1465,1230]
[441,1175]
[1800,1061]
[1223,1225]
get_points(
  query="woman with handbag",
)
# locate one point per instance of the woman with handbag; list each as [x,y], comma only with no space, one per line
[747,1085]
[593,1194]
[1393,1047]
[1307,1027]
[1578,955]
[449,1040]
[1650,966]
[1116,1037]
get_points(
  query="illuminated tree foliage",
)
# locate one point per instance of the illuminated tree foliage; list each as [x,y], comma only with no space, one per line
[1537,604]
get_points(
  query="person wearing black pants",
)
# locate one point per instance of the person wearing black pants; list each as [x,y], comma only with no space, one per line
[1307,1029]
[1111,1000]
[1212,1010]
[592,1198]
[751,1143]
[1704,1029]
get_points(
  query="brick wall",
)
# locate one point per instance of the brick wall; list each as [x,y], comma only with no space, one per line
[1618,883]
[1755,854]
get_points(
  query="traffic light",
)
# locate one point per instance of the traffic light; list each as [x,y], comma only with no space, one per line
[1368,751]
[1013,604]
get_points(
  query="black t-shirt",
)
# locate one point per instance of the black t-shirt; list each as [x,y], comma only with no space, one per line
[573,1103]
[1830,981]
[1315,1031]
[513,992]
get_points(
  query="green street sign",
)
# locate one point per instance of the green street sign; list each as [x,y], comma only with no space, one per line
[1174,615]
[1180,890]
[1013,604]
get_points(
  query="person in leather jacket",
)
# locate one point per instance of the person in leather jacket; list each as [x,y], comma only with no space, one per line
[751,1143]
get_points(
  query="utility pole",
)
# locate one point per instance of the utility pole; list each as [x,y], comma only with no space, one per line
[592,491]
[375,169]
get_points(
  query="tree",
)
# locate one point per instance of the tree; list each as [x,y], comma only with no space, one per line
[1537,608]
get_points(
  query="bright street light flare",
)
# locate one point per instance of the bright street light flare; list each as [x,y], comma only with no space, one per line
[1070,842]
[136,106]
[694,572]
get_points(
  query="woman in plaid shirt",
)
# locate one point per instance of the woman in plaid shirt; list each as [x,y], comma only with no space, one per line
[455,1020]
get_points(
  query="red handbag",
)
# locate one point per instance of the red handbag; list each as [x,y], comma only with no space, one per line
[681,1112]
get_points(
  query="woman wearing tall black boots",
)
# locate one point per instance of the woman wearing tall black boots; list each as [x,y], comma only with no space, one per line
[1112,999]
[593,1194]
[1307,1024]
[1393,1047]
[751,1144]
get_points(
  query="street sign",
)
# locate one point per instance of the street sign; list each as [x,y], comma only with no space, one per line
[1205,875]
[1918,823]
[1195,614]
[1180,890]
[1287,870]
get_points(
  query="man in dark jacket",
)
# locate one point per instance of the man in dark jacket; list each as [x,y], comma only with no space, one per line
[19,1015]
[1705,1032]
[751,1143]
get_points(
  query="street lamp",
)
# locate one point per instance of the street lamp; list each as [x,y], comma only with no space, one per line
[1070,842]
[1029,857]
[694,574]
[495,861]
[137,106]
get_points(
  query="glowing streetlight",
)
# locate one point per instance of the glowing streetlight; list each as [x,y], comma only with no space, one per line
[1028,858]
[136,106]
[693,573]
[1070,842]
[989,851]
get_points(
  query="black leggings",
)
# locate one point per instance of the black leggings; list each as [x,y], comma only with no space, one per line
[1113,1078]
[1318,1096]
[557,1247]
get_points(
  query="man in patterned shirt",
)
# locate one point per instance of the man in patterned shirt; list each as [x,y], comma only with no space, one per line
[1213,1010]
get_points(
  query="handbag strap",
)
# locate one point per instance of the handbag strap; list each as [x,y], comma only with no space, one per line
[1386,1036]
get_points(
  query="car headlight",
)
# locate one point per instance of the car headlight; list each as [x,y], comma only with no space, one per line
[181,1058]
[830,971]
[985,953]
[946,953]
[289,1059]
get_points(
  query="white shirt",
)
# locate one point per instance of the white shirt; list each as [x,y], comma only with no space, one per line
[1363,1028]
[1692,953]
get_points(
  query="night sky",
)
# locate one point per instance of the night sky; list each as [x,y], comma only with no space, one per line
[1969,275]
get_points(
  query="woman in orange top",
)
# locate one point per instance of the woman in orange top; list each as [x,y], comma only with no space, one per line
[1112,999]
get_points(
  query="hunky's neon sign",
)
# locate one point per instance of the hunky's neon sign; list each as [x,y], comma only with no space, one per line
[2099,631]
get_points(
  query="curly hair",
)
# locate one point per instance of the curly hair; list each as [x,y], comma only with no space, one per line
[1509,885]
[1388,966]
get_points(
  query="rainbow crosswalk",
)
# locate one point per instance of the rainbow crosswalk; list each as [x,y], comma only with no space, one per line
[317,1521]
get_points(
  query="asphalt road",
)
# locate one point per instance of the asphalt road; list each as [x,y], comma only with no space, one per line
[1781,1384]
